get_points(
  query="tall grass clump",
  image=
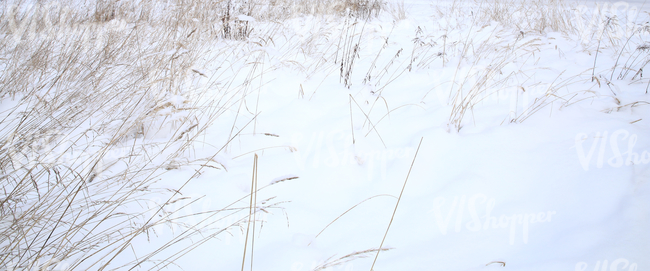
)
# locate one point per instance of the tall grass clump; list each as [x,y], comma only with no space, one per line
[539,16]
[296,8]
[478,42]
[488,38]
[98,104]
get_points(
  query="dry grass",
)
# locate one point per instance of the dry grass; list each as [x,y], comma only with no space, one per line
[332,262]
[401,193]
[480,57]
[397,10]
[483,52]
[104,100]
[99,102]
[539,16]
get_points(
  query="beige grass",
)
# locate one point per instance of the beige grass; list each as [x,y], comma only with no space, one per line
[102,101]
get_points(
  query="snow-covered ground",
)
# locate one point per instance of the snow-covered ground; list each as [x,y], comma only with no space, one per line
[526,161]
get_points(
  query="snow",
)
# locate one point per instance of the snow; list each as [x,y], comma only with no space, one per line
[562,188]
[245,18]
[518,193]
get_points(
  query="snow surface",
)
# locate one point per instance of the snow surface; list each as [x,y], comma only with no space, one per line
[566,189]
[549,193]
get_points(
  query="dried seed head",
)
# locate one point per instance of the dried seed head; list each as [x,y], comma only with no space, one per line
[644,47]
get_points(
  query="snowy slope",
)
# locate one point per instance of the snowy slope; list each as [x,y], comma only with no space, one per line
[553,192]
[544,168]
